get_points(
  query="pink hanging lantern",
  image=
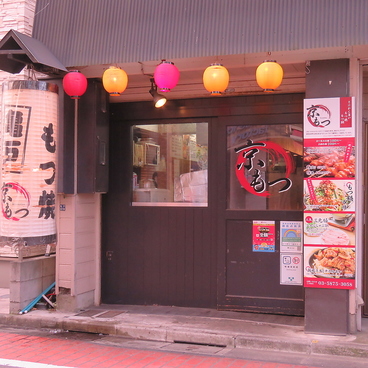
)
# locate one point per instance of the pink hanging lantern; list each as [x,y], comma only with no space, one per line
[166,76]
[75,84]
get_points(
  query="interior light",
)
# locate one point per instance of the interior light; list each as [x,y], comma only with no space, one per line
[158,100]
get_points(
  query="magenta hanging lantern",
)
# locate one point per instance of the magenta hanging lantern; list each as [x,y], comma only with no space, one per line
[166,76]
[75,84]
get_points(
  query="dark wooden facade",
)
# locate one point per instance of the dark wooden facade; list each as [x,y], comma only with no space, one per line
[175,255]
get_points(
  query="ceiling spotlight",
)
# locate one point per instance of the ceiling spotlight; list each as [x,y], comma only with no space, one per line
[158,100]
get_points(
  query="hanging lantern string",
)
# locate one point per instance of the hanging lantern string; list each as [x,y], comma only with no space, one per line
[142,70]
[31,72]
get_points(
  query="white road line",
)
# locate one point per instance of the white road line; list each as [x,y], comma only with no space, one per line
[20,364]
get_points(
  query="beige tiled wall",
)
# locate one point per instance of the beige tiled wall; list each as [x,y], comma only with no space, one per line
[78,249]
[16,15]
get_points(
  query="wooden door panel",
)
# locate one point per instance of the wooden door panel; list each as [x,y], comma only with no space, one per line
[253,278]
[162,255]
[249,280]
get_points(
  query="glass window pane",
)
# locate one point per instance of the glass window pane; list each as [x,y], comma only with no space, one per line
[170,164]
[266,167]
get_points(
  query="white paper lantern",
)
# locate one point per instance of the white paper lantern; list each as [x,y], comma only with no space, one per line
[28,154]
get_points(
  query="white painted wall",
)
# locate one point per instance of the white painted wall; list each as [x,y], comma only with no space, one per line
[78,249]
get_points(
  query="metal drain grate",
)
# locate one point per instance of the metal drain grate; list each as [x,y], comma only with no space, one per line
[90,313]
[199,344]
[110,314]
[100,313]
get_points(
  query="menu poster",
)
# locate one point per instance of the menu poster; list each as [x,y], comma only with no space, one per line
[329,117]
[263,236]
[291,236]
[291,269]
[177,146]
[329,268]
[329,158]
[329,195]
[329,229]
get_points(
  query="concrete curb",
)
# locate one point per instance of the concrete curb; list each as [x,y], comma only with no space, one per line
[351,350]
[166,332]
[307,347]
[272,344]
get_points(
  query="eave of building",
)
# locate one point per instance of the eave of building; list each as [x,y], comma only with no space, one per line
[136,34]
[241,68]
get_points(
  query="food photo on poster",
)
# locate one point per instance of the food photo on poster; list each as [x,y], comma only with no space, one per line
[329,250]
[329,158]
[329,267]
[329,195]
[329,229]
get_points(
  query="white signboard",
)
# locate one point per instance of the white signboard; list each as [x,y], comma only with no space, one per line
[291,236]
[291,269]
[329,117]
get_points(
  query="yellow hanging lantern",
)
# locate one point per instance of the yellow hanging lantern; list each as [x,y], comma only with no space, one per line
[115,81]
[216,79]
[269,75]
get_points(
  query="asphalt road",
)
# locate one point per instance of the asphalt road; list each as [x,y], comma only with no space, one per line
[54,349]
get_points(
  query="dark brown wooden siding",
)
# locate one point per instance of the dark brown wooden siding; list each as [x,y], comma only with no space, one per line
[168,255]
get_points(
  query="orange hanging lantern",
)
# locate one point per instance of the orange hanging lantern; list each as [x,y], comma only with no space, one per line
[115,81]
[216,79]
[269,75]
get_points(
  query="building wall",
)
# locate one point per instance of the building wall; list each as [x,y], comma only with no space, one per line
[153,30]
[78,250]
[17,15]
[77,261]
[28,279]
[365,96]
[4,274]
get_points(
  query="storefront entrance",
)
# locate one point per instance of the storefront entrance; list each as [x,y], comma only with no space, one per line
[186,207]
[262,204]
